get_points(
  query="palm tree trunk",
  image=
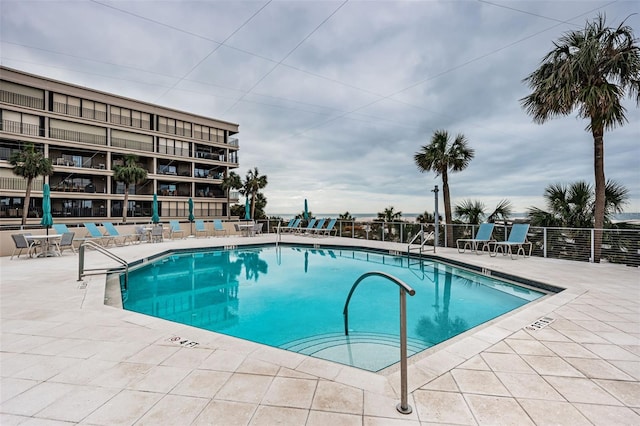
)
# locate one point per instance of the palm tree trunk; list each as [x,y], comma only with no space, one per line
[598,167]
[447,208]
[126,204]
[27,202]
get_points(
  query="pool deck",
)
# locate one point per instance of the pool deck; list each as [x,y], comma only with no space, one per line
[67,358]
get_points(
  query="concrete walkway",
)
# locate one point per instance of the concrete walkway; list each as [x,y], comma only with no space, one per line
[67,358]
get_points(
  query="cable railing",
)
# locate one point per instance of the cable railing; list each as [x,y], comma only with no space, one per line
[619,245]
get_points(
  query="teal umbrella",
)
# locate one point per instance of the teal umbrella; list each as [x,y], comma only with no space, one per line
[191,216]
[155,218]
[47,219]
[247,210]
[306,210]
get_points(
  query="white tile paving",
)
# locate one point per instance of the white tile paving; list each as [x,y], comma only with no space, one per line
[66,358]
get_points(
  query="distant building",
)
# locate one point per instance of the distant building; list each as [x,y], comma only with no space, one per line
[86,133]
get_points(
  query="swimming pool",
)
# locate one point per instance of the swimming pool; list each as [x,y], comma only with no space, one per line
[292,297]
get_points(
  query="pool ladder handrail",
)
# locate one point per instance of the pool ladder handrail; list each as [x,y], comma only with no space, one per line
[100,271]
[403,407]
[425,237]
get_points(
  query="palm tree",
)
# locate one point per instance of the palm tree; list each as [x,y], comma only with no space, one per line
[470,211]
[29,164]
[473,211]
[426,217]
[573,205]
[440,156]
[590,71]
[129,174]
[389,215]
[252,185]
[230,181]
[345,216]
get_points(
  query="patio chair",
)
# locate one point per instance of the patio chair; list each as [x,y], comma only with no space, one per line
[483,237]
[141,234]
[66,242]
[118,238]
[95,234]
[174,228]
[307,228]
[157,234]
[517,241]
[21,243]
[291,226]
[200,228]
[331,227]
[257,229]
[218,227]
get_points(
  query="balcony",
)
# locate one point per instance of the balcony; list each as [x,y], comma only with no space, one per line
[131,144]
[21,128]
[74,136]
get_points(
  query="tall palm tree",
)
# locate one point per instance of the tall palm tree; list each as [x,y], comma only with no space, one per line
[230,181]
[590,71]
[129,174]
[253,183]
[573,205]
[29,164]
[389,215]
[440,156]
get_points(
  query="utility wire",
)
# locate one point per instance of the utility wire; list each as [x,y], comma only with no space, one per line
[214,50]
[287,55]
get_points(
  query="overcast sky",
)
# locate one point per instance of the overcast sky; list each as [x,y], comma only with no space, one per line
[334,98]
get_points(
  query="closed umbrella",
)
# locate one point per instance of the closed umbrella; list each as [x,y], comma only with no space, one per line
[247,210]
[47,219]
[155,218]
[306,210]
[191,216]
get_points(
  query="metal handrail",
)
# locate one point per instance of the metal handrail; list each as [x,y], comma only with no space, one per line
[422,243]
[100,271]
[403,407]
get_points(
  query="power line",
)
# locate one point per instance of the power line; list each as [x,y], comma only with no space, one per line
[214,49]
[287,55]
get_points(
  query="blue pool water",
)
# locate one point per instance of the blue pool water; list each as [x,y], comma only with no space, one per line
[292,297]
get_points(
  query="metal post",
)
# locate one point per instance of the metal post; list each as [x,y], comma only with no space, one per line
[544,243]
[80,262]
[593,240]
[403,407]
[437,221]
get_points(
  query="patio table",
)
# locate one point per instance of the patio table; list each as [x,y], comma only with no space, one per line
[48,249]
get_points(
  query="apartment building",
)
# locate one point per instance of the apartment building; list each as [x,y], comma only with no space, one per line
[86,133]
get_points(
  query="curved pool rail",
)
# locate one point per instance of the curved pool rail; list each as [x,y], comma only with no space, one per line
[403,407]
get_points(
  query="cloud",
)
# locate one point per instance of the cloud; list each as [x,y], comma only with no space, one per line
[332,108]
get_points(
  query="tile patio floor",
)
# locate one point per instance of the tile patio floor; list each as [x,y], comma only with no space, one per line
[66,358]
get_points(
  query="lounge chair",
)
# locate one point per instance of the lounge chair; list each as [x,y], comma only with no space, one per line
[118,238]
[218,227]
[174,228]
[201,228]
[95,234]
[291,226]
[21,243]
[517,240]
[483,237]
[66,242]
[60,228]
[318,228]
[308,228]
[331,227]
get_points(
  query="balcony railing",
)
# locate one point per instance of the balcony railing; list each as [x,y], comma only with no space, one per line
[19,184]
[72,135]
[21,128]
[23,100]
[233,141]
[131,144]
